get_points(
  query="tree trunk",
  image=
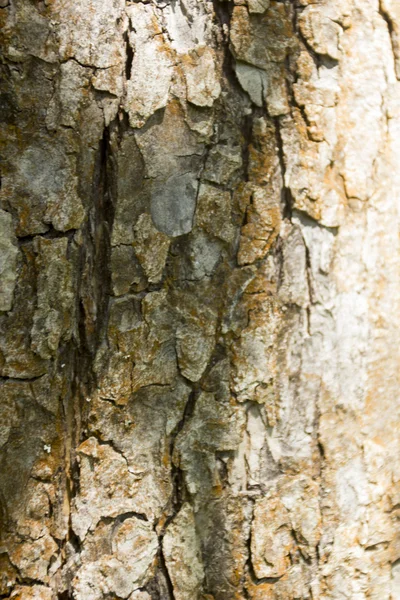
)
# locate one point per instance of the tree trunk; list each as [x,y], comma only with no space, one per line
[200,296]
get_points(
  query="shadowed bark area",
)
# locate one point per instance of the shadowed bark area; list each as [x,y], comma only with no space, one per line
[199,300]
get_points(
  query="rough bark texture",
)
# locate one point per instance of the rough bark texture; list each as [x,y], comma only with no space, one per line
[200,296]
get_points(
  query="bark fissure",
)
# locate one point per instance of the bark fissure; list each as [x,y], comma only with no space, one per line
[390,23]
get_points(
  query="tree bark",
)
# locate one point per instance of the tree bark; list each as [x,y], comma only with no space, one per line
[200,300]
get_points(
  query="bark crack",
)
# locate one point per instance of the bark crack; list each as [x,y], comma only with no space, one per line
[395,46]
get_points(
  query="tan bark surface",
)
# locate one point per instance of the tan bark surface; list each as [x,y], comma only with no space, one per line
[200,300]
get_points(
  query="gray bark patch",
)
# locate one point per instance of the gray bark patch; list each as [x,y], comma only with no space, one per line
[173,204]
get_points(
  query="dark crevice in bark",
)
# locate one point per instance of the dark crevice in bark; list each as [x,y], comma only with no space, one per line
[121,126]
[223,11]
[167,578]
[180,494]
[159,588]
[110,444]
[321,450]
[81,64]
[93,283]
[94,273]
[392,34]
[395,563]
[287,198]
[101,227]
[20,379]
[221,462]
[219,354]
[259,581]
[131,515]
[309,285]
[50,234]
[129,56]
[247,132]
[64,596]
[27,581]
